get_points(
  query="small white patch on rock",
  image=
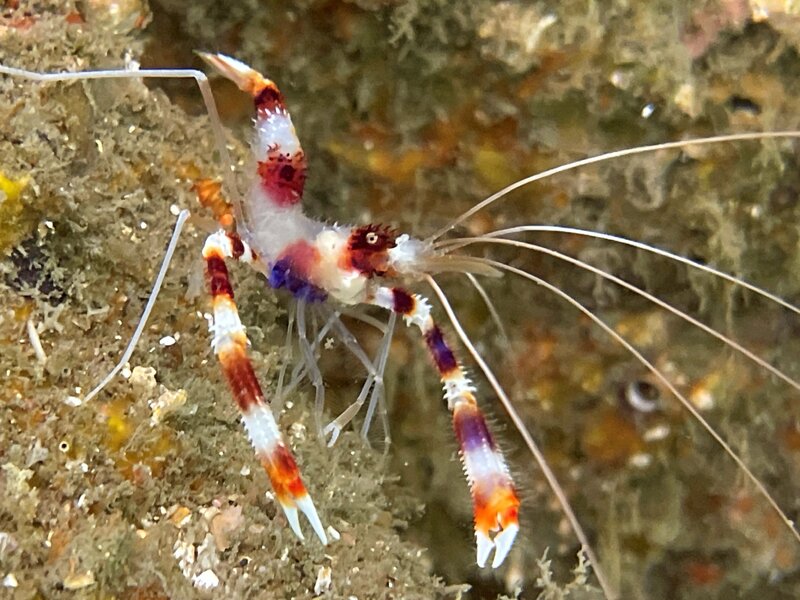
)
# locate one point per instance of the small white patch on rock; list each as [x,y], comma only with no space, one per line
[73,401]
[143,380]
[323,583]
[184,552]
[207,580]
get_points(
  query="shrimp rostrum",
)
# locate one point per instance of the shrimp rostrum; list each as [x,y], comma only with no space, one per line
[371,265]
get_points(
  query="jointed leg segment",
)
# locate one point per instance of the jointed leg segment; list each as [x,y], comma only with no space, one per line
[230,346]
[495,501]
[373,382]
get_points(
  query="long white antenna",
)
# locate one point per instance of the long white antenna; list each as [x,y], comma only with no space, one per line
[202,83]
[500,233]
[173,243]
[735,137]
[644,294]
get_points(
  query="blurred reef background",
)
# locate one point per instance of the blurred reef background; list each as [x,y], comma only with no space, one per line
[410,112]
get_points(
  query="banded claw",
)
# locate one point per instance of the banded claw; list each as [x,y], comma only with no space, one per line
[290,491]
[501,543]
[306,506]
[496,521]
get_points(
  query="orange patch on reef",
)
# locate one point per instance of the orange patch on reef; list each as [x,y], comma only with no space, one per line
[609,440]
[150,460]
[703,573]
[790,437]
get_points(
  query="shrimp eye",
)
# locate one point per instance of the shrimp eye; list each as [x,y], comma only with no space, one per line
[368,248]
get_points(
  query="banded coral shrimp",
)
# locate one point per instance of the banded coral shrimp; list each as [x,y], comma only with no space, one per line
[464,541]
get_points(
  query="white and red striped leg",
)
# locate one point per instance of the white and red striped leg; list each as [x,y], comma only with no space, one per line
[230,346]
[494,498]
[281,162]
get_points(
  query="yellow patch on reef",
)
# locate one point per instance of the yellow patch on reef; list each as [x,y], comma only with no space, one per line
[493,167]
[399,167]
[145,458]
[11,208]
[118,422]
[11,189]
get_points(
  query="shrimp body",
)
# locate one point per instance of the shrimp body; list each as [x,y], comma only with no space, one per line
[315,262]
